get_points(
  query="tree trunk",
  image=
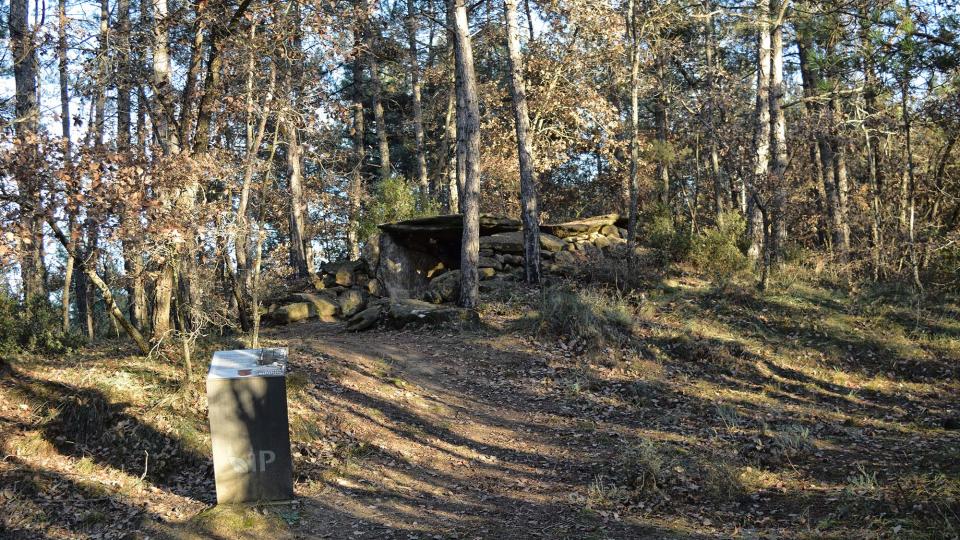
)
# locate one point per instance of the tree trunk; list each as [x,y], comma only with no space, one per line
[911,176]
[299,251]
[778,178]
[27,113]
[67,143]
[761,136]
[376,89]
[355,187]
[89,271]
[123,76]
[103,78]
[469,112]
[447,171]
[418,136]
[872,144]
[634,184]
[162,111]
[529,211]
[721,195]
[660,108]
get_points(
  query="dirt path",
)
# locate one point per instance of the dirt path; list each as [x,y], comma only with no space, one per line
[441,436]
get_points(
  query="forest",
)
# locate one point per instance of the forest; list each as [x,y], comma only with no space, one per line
[625,268]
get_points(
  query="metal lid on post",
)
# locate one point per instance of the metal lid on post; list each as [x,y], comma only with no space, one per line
[242,363]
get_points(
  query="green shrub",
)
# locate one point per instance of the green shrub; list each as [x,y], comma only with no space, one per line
[716,251]
[593,317]
[671,242]
[394,199]
[33,326]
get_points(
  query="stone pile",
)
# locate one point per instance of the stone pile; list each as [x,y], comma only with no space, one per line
[340,290]
[409,271]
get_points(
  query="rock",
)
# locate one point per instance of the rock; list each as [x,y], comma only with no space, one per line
[436,270]
[487,262]
[352,301]
[405,312]
[324,307]
[351,266]
[487,253]
[570,247]
[403,271]
[512,242]
[370,252]
[290,313]
[551,243]
[582,226]
[610,230]
[451,223]
[516,259]
[445,288]
[375,288]
[344,277]
[365,319]
[360,281]
[487,273]
[602,242]
[565,258]
[329,280]
[623,232]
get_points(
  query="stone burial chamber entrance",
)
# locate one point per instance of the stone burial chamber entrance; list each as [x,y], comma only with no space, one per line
[409,272]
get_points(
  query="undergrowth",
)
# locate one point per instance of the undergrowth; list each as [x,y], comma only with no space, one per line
[592,316]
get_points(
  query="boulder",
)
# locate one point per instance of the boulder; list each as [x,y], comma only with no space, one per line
[405,312]
[445,288]
[512,242]
[370,252]
[487,262]
[322,304]
[602,242]
[436,270]
[344,277]
[375,288]
[403,271]
[365,319]
[565,258]
[290,313]
[610,230]
[487,273]
[352,301]
[551,243]
[452,223]
[578,227]
[515,259]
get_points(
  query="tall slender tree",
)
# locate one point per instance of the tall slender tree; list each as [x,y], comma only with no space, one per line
[529,210]
[468,113]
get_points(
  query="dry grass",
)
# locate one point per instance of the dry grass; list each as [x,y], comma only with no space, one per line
[807,412]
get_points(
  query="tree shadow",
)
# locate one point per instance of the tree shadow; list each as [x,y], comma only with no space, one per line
[84,423]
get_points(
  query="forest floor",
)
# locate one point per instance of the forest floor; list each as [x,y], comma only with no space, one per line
[805,412]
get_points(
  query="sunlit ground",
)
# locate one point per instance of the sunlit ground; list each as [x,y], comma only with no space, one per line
[806,412]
